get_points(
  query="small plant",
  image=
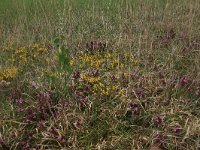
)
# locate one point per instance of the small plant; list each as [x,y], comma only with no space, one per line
[63,56]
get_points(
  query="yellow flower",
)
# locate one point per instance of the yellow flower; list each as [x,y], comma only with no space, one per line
[121,65]
[112,87]
[94,79]
[35,55]
[83,76]
[105,92]
[80,66]
[42,49]
[96,63]
[47,60]
[87,58]
[36,46]
[10,72]
[22,55]
[126,74]
[98,87]
[114,64]
[72,62]
[135,61]
[108,55]
[122,92]
[21,50]
[101,85]
[95,87]
[39,48]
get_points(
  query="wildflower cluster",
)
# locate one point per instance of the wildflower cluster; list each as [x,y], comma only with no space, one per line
[108,92]
[104,61]
[17,59]
[102,71]
[8,73]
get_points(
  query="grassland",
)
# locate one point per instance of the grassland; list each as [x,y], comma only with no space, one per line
[104,74]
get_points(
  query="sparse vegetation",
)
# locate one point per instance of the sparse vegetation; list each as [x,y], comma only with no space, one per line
[107,74]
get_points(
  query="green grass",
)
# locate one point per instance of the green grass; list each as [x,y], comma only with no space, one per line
[141,90]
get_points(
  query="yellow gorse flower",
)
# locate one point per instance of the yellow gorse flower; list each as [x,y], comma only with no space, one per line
[10,72]
[108,90]
[42,49]
[89,79]
[21,53]
[83,76]
[37,47]
[72,62]
[94,79]
[108,55]
[122,92]
[103,89]
[97,63]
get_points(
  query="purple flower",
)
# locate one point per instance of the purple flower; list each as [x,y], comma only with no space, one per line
[41,124]
[198,91]
[77,124]
[184,80]
[139,92]
[30,117]
[26,146]
[61,139]
[159,138]
[158,121]
[177,129]
[95,73]
[54,131]
[83,103]
[1,142]
[134,108]
[130,105]
[189,101]
[20,110]
[113,77]
[163,82]
[44,99]
[76,75]
[189,89]
[19,101]
[44,96]
[134,74]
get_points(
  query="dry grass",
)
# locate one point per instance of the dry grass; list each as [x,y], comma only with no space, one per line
[99,74]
